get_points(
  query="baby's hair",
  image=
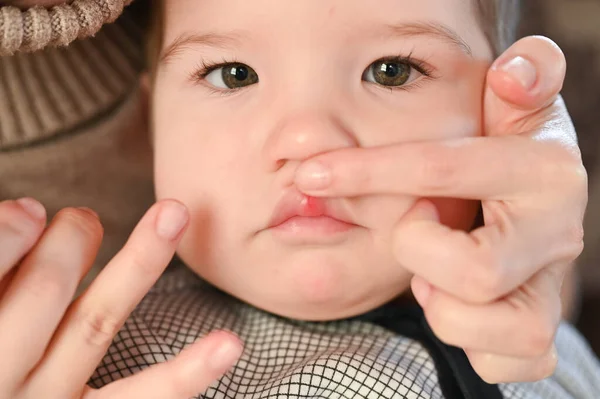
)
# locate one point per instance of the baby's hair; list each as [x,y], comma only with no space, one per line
[499,20]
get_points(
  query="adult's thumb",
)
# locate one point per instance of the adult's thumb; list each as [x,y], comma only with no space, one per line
[523,82]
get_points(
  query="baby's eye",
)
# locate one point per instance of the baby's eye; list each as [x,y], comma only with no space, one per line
[391,72]
[232,76]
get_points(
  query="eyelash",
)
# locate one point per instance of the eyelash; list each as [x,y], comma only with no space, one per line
[420,66]
[201,71]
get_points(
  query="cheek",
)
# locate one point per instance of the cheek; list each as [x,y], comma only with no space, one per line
[451,106]
[202,165]
[202,160]
[195,153]
[194,171]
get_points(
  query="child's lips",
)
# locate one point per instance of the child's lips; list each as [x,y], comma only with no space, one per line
[305,219]
[313,224]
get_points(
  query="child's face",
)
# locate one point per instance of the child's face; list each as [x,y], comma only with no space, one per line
[316,76]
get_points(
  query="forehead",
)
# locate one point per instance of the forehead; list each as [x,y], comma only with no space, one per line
[290,20]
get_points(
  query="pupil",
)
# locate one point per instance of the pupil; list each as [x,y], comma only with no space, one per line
[241,73]
[391,70]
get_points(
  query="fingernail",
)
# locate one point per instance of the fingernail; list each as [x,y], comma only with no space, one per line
[33,208]
[313,175]
[171,220]
[521,70]
[224,355]
[421,290]
[426,210]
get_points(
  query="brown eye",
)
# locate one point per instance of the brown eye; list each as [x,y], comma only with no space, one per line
[388,72]
[232,76]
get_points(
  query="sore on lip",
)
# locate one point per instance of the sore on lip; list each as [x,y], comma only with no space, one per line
[306,219]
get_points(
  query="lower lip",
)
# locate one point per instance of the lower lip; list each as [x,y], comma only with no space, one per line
[312,228]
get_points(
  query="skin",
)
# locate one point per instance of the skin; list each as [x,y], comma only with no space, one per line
[496,291]
[238,151]
[235,155]
[314,128]
[74,336]
[542,182]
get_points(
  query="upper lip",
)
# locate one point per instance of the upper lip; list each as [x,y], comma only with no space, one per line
[293,203]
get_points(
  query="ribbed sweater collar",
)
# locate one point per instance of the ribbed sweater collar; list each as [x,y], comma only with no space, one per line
[58,90]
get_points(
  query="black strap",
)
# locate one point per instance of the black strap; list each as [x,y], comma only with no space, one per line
[457,378]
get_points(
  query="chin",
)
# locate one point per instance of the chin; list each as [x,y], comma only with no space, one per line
[298,308]
[309,312]
[317,285]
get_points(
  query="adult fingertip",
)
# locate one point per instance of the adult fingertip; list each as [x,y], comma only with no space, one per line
[520,70]
[530,74]
[171,220]
[421,290]
[225,353]
[207,360]
[313,176]
[423,210]
[33,207]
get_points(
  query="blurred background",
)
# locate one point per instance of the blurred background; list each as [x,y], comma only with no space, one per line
[575,26]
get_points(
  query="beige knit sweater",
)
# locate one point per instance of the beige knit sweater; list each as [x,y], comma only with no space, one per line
[72,129]
[38,27]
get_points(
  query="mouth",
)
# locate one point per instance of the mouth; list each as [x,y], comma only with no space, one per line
[308,220]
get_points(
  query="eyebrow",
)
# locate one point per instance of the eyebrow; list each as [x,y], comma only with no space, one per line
[230,40]
[187,40]
[431,29]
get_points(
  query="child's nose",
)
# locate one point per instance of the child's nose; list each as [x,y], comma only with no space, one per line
[304,136]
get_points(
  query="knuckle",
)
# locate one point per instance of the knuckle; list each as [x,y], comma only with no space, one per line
[575,236]
[574,181]
[442,325]
[485,279]
[567,167]
[97,327]
[545,368]
[483,369]
[580,176]
[540,337]
[487,375]
[578,250]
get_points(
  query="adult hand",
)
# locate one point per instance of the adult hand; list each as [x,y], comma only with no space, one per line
[494,291]
[50,346]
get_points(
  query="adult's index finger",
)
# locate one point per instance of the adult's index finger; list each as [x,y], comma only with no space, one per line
[469,168]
